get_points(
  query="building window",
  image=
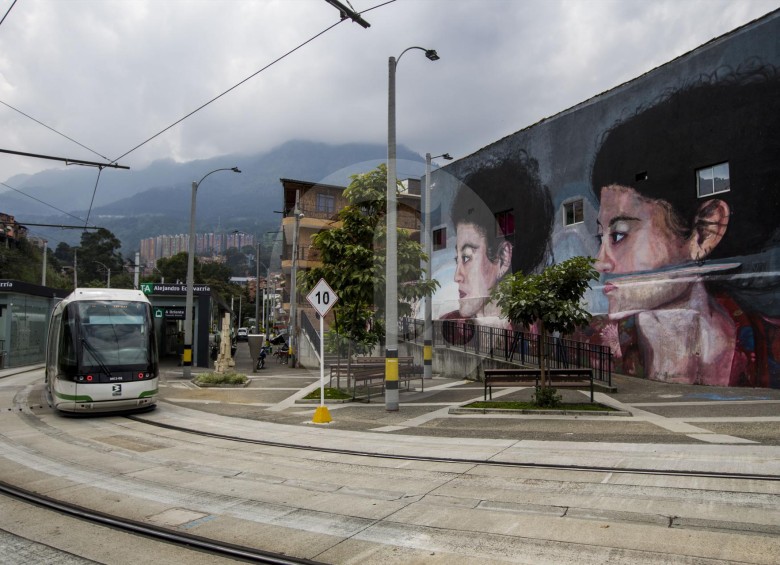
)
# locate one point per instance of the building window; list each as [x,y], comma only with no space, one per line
[439,240]
[505,223]
[573,213]
[712,180]
[326,203]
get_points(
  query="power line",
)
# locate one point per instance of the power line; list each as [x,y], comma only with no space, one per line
[54,130]
[199,108]
[8,11]
[41,201]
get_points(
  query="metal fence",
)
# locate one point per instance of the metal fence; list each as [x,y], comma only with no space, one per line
[511,345]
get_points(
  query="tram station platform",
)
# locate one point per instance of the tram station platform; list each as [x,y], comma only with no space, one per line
[645,411]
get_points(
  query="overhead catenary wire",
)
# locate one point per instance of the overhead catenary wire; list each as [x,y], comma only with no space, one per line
[8,11]
[42,202]
[232,88]
[52,129]
[355,16]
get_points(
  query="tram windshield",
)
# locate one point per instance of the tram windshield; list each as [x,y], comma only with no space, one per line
[115,333]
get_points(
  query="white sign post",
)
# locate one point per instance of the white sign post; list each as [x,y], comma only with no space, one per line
[322,298]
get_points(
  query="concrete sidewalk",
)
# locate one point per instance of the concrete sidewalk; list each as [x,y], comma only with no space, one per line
[653,412]
[657,412]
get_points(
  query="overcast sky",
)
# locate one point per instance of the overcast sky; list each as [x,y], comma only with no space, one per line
[112,73]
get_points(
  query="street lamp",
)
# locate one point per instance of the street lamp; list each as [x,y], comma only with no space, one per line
[187,352]
[108,280]
[391,266]
[428,235]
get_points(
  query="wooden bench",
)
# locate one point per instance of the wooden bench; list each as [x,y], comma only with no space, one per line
[360,372]
[558,378]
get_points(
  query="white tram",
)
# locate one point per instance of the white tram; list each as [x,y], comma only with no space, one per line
[101,352]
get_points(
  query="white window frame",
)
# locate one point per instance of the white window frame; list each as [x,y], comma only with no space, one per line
[566,205]
[706,176]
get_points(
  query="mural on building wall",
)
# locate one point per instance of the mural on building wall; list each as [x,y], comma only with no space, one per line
[495,235]
[683,193]
[689,194]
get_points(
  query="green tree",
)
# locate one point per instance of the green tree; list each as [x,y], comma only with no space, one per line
[174,268]
[353,262]
[216,275]
[236,262]
[552,298]
[22,260]
[99,253]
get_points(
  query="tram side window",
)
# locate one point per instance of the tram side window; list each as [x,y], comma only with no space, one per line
[67,350]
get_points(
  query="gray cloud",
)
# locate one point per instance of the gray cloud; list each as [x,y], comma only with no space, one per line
[111,73]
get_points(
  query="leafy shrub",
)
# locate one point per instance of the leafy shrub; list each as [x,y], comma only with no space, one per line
[547,397]
[221,379]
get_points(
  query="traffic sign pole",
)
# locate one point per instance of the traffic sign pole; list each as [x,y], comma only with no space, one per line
[322,298]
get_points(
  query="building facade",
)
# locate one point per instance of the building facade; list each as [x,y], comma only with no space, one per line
[671,182]
[206,245]
[318,205]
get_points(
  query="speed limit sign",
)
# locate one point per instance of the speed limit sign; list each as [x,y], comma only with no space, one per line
[322,298]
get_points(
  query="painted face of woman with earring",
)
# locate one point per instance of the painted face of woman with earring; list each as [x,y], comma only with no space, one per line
[635,238]
[638,237]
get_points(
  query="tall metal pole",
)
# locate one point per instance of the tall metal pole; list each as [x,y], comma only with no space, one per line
[257,288]
[428,325]
[428,234]
[391,263]
[137,271]
[294,283]
[187,351]
[186,359]
[43,270]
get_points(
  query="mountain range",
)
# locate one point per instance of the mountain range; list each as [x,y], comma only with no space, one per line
[155,200]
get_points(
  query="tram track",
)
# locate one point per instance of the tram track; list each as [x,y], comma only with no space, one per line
[469,461]
[239,494]
[183,539]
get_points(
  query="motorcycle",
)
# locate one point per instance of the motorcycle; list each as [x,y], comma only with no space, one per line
[261,359]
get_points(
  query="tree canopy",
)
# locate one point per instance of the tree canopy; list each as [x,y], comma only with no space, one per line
[353,261]
[552,299]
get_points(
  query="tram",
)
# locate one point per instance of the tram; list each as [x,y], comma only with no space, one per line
[101,352]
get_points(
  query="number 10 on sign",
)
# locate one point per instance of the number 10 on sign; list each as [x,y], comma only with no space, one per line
[322,298]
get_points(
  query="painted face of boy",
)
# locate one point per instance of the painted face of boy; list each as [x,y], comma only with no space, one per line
[475,273]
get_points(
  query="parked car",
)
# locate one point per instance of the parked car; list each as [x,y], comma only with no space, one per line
[242,334]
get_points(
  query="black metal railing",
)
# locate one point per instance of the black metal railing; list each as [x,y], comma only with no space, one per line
[305,253]
[311,332]
[512,345]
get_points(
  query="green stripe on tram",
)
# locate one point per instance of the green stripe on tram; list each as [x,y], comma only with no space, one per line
[148,393]
[73,398]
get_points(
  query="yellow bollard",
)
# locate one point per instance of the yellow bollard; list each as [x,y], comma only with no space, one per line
[322,415]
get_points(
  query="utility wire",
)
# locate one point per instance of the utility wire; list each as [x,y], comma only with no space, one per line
[91,202]
[8,11]
[199,108]
[52,129]
[41,201]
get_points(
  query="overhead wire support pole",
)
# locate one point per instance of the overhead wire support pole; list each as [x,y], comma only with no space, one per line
[349,13]
[65,160]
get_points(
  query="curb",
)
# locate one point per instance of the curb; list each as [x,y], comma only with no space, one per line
[327,401]
[462,411]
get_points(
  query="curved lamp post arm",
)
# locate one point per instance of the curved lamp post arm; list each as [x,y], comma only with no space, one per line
[108,272]
[187,350]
